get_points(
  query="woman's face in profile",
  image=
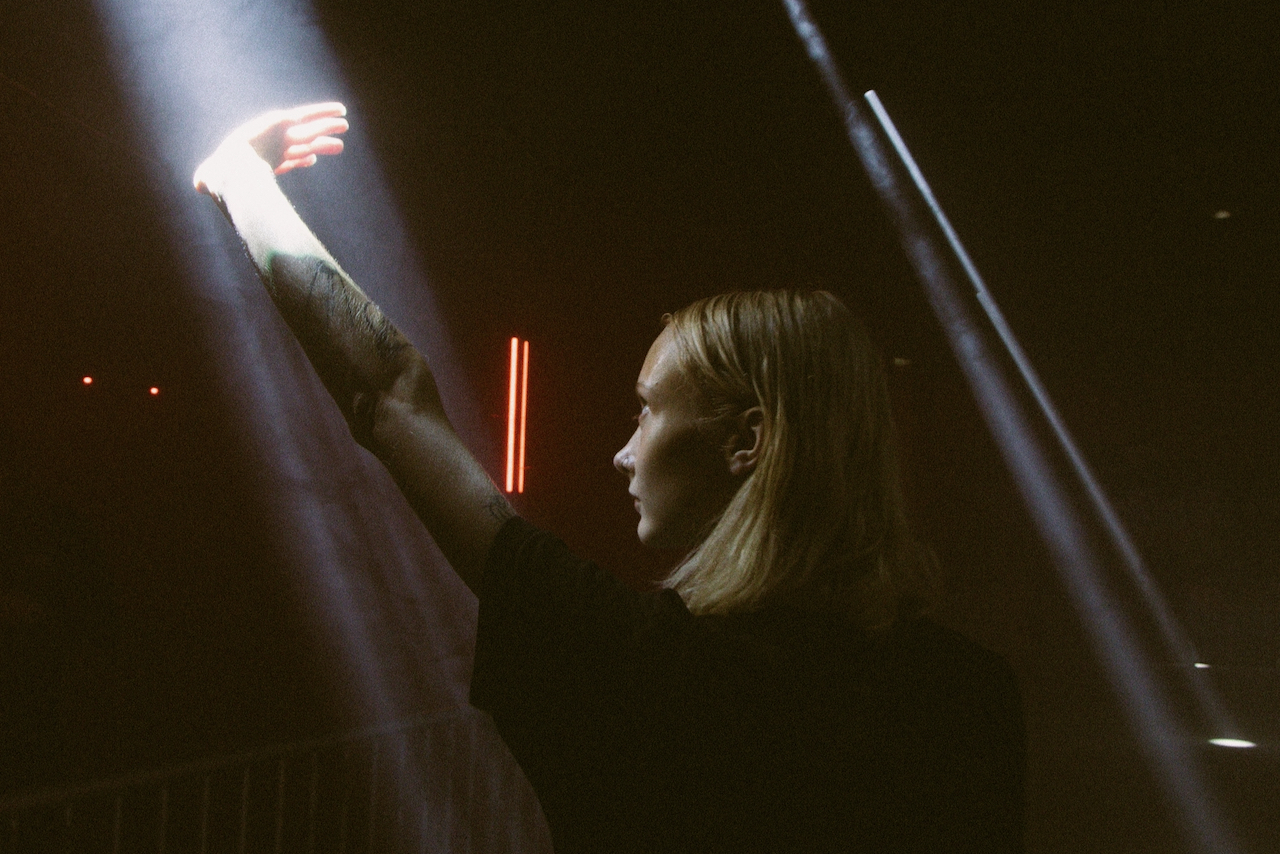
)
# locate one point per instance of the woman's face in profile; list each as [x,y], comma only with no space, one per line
[677,469]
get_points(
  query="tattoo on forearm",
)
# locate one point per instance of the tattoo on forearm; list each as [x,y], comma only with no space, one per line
[354,347]
[352,311]
[337,324]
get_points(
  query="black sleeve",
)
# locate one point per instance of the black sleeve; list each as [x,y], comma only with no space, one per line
[551,623]
[566,660]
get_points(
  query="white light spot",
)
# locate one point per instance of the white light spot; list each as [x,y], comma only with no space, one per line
[1222,215]
[1200,665]
[1231,742]
[899,362]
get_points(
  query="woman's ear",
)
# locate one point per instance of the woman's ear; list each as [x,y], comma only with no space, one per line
[745,442]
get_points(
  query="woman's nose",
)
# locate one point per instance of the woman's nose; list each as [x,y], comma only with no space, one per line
[624,460]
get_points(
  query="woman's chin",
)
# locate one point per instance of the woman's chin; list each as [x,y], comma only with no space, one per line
[644,533]
[653,537]
[649,535]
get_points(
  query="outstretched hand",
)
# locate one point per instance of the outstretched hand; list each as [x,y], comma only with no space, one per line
[283,139]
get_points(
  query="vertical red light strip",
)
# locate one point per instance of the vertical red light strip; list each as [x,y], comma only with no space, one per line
[511,415]
[524,409]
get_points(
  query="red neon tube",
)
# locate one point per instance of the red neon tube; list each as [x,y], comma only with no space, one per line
[511,415]
[524,409]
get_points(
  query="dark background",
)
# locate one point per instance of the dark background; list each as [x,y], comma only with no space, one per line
[568,172]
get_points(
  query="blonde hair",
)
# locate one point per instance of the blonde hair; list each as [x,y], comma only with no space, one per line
[820,522]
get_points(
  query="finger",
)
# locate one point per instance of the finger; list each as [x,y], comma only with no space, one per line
[296,163]
[316,128]
[310,112]
[323,145]
[327,145]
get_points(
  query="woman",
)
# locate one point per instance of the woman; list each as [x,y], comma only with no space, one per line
[782,692]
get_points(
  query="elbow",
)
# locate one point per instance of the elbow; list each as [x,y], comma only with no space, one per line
[362,417]
[376,421]
[381,419]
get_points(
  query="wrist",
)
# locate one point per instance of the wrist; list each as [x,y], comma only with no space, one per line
[233,165]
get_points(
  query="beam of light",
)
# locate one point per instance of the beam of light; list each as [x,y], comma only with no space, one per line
[1172,634]
[374,583]
[1171,631]
[1109,631]
[524,414]
[512,375]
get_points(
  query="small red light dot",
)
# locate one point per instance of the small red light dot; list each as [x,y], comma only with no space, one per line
[154,391]
[87,381]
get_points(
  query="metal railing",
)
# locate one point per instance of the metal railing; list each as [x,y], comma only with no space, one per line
[362,791]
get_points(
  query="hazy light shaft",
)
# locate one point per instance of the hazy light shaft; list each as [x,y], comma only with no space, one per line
[368,574]
[1179,645]
[1111,634]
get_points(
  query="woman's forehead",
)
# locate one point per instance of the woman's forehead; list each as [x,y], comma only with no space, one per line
[664,375]
[660,360]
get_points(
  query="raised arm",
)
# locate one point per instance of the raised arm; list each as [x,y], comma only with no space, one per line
[383,386]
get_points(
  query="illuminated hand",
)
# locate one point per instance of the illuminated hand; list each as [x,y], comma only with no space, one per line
[283,139]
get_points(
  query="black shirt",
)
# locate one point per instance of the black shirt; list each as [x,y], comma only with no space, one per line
[644,728]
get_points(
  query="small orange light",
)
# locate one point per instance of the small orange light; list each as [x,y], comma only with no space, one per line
[87,381]
[154,391]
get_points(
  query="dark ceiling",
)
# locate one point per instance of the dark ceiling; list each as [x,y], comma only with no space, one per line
[568,172]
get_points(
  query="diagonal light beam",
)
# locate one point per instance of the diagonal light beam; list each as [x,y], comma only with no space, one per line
[368,572]
[1060,527]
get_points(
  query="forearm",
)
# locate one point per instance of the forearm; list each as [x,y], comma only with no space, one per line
[382,385]
[356,351]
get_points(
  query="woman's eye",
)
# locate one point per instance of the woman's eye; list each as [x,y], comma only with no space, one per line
[644,410]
